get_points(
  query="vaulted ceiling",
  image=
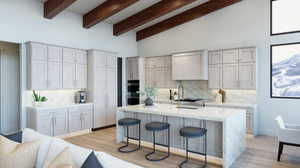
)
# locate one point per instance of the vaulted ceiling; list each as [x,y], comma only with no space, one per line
[146,17]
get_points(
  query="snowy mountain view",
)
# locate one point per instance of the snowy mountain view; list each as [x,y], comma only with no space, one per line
[286,77]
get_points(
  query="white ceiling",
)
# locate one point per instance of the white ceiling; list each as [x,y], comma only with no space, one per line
[84,6]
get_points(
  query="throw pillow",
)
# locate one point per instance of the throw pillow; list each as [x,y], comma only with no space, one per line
[13,154]
[92,162]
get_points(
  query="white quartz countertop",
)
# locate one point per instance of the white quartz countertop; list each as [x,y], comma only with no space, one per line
[203,113]
[235,105]
[46,106]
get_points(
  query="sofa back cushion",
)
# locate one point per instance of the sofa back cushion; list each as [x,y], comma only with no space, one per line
[13,154]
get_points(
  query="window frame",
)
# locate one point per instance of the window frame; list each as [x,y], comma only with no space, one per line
[271,70]
[271,21]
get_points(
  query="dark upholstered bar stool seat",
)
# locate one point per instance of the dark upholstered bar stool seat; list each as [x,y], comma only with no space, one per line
[126,122]
[129,121]
[158,126]
[192,132]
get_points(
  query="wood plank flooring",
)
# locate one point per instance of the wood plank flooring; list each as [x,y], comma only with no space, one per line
[260,153]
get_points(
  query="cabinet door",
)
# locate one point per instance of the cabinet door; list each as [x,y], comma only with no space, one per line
[38,75]
[81,57]
[215,57]
[81,76]
[150,78]
[86,119]
[100,99]
[69,75]
[60,126]
[247,55]
[190,71]
[176,124]
[111,60]
[54,54]
[230,76]
[247,75]
[69,55]
[230,56]
[74,119]
[45,123]
[100,59]
[38,51]
[54,75]
[215,76]
[111,90]
[129,69]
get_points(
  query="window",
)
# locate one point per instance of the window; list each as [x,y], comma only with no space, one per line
[285,16]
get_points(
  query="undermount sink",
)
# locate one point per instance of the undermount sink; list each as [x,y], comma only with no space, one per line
[185,107]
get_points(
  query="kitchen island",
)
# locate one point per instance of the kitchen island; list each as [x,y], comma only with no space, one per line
[226,128]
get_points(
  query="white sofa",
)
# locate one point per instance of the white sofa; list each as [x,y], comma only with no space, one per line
[51,146]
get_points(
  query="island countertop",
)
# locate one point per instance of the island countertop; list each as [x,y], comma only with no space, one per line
[202,113]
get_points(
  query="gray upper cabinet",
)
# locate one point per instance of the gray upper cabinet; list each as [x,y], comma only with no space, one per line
[230,56]
[215,57]
[247,55]
[52,67]
[190,65]
[233,68]
[158,72]
[132,68]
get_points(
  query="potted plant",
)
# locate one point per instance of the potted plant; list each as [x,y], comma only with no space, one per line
[150,93]
[38,99]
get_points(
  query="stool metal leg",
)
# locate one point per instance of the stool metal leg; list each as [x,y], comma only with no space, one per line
[187,153]
[154,150]
[121,149]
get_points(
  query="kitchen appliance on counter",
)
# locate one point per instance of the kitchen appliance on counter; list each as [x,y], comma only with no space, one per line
[81,97]
[133,88]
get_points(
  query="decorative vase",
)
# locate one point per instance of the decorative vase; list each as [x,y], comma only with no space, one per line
[148,101]
[39,104]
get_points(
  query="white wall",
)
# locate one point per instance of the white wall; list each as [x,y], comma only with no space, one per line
[244,24]
[22,21]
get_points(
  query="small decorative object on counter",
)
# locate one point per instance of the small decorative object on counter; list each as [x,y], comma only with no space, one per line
[223,95]
[150,93]
[38,99]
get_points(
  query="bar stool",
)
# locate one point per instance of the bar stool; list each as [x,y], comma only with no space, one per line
[194,132]
[130,122]
[158,126]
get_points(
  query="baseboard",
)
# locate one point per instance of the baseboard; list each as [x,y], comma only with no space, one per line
[100,128]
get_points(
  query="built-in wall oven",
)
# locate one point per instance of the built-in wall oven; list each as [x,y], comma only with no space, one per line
[133,95]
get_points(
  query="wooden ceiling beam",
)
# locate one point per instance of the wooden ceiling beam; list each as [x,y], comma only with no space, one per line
[191,14]
[54,7]
[105,10]
[155,11]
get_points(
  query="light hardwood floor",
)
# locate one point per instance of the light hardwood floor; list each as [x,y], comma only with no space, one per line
[260,152]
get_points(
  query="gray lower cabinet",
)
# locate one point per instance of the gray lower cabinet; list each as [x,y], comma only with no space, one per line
[214,133]
[214,137]
[176,124]
[145,118]
[80,118]
[60,121]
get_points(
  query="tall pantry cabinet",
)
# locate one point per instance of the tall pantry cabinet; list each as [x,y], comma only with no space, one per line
[102,86]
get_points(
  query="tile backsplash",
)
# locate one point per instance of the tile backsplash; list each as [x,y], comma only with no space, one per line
[199,89]
[55,97]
